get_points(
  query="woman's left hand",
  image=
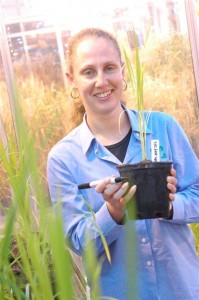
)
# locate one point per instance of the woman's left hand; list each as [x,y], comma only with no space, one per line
[171,184]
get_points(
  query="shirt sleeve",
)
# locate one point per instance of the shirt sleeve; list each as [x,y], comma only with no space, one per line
[81,224]
[186,163]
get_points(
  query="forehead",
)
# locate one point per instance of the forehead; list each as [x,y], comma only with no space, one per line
[95,46]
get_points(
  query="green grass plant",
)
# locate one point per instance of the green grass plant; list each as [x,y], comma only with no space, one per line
[135,75]
[169,83]
[33,234]
[161,77]
[33,242]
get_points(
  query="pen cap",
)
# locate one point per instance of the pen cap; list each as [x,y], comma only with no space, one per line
[84,186]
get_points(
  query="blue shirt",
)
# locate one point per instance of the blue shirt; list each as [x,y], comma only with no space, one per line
[167,264]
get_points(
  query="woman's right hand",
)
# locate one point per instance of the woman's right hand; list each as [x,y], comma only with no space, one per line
[116,197]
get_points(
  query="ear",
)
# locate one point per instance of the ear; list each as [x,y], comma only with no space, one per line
[69,77]
[123,69]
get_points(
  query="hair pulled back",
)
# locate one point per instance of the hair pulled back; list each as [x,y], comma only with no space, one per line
[83,35]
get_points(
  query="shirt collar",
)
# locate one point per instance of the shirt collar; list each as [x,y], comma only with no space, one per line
[86,136]
[133,117]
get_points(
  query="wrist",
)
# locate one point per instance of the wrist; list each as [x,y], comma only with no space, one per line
[116,213]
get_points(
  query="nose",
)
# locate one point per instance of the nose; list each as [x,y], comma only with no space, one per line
[101,79]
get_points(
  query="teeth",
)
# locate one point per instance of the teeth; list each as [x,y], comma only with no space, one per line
[102,95]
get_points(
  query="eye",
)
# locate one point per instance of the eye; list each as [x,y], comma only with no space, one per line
[111,68]
[88,73]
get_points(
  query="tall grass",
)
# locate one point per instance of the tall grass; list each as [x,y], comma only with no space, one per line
[135,76]
[136,79]
[35,262]
[169,83]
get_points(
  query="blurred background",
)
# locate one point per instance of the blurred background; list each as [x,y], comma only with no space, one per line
[38,31]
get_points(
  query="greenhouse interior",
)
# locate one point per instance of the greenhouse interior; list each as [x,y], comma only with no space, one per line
[37,110]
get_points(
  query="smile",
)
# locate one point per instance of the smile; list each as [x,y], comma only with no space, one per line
[103,95]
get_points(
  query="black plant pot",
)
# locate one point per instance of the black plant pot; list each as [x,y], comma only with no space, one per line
[151,199]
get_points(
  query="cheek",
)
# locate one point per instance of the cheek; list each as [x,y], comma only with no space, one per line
[85,90]
[120,84]
[119,79]
[84,87]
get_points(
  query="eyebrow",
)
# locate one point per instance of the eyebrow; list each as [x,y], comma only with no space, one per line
[105,64]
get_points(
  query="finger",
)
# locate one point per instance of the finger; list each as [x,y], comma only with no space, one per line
[173,172]
[171,197]
[112,190]
[102,185]
[124,200]
[121,191]
[171,188]
[172,180]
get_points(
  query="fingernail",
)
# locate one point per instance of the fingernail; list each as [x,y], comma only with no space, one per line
[133,188]
[125,185]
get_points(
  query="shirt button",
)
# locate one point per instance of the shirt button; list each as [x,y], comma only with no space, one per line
[143,240]
[149,263]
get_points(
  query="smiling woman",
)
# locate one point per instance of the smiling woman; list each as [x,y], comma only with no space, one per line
[108,136]
[98,74]
[38,38]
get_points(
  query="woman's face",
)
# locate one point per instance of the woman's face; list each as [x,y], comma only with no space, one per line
[98,75]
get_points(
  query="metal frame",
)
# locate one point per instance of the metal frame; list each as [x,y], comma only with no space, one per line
[192,23]
[8,69]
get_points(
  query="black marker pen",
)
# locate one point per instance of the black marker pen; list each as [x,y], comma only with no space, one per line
[96,182]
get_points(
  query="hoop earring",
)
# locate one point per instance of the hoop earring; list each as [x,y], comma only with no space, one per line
[125,85]
[74,94]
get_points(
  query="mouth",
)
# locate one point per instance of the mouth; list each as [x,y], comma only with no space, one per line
[103,95]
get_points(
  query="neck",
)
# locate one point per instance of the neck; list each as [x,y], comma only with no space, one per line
[110,128]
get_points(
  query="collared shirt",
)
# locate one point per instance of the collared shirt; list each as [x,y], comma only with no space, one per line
[165,258]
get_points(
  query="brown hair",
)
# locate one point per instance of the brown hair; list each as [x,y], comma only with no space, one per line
[85,34]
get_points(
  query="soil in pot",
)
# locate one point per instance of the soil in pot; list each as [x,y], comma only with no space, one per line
[151,199]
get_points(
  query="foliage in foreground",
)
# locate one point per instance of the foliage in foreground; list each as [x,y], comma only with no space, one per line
[35,262]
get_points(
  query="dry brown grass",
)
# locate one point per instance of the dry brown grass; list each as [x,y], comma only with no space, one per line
[51,113]
[169,83]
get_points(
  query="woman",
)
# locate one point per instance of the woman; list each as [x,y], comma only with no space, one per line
[108,136]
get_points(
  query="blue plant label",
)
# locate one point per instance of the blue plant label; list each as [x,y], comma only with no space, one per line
[155,150]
